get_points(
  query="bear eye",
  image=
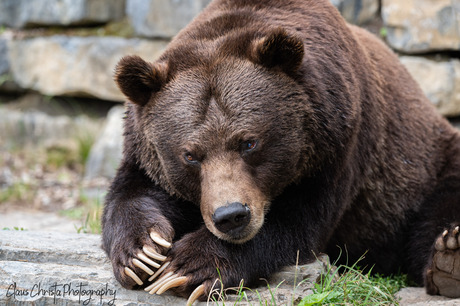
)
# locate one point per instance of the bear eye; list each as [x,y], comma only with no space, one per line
[249,145]
[190,158]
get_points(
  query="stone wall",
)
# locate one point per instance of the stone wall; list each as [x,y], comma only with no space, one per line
[162,18]
[26,13]
[72,65]
[81,63]
[428,33]
[422,26]
[70,47]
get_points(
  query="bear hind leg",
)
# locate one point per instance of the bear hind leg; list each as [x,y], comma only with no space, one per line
[443,276]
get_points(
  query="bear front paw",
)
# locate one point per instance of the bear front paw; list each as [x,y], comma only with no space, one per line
[132,265]
[146,256]
[192,271]
[443,276]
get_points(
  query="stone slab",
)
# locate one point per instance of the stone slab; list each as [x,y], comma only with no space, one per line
[414,296]
[162,18]
[36,220]
[6,79]
[420,26]
[76,66]
[357,11]
[439,79]
[24,13]
[51,268]
[106,153]
[32,127]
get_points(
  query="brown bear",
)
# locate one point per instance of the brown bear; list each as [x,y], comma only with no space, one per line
[272,127]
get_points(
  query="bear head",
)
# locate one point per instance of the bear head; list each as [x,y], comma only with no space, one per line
[221,123]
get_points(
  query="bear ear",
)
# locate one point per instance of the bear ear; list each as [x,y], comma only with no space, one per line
[138,80]
[278,49]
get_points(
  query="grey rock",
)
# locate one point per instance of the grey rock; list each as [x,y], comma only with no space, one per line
[417,297]
[357,11]
[77,66]
[6,178]
[63,269]
[293,283]
[440,80]
[23,13]
[33,128]
[6,79]
[162,18]
[69,269]
[422,25]
[106,153]
[4,62]
[37,220]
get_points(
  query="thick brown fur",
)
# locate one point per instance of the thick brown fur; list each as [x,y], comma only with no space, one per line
[348,151]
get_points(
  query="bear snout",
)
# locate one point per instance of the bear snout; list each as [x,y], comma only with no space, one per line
[232,205]
[232,219]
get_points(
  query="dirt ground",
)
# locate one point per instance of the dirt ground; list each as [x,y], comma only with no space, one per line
[36,197]
[41,174]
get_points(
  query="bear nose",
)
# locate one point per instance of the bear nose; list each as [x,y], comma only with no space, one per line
[233,217]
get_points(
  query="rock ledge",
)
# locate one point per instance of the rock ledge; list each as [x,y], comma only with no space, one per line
[44,268]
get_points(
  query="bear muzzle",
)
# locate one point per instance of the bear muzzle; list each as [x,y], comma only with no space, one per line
[232,219]
[231,203]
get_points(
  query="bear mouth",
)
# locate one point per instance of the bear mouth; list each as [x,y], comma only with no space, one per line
[236,237]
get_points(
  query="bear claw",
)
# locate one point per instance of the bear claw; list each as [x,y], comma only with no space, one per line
[153,288]
[172,280]
[443,276]
[199,291]
[159,271]
[452,241]
[171,283]
[133,275]
[152,253]
[141,265]
[147,260]
[159,240]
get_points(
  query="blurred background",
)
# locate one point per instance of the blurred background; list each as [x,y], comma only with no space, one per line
[61,113]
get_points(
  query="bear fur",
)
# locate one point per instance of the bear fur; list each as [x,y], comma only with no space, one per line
[305,127]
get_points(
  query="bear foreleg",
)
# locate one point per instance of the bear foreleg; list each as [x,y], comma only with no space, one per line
[140,221]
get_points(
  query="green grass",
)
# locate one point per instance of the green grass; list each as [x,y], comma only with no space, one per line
[89,214]
[352,288]
[72,157]
[344,285]
[60,156]
[242,297]
[14,229]
[84,142]
[348,285]
[393,283]
[18,191]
